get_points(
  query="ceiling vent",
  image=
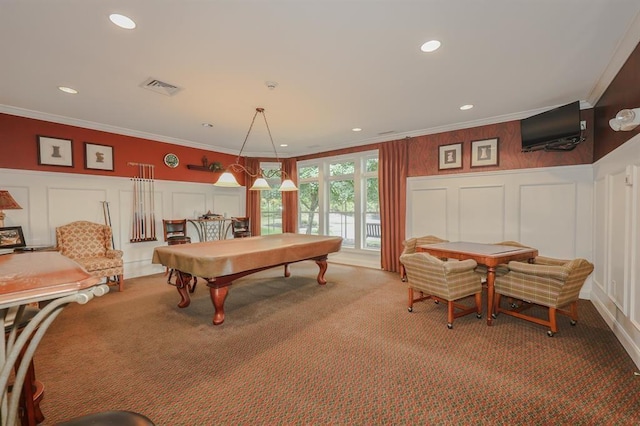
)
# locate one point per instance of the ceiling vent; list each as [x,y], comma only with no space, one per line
[161,87]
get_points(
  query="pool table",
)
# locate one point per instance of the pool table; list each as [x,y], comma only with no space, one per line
[223,261]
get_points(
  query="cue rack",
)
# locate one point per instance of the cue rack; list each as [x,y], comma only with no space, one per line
[143,226]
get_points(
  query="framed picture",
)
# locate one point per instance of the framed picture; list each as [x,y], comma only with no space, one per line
[98,157]
[484,153]
[55,151]
[11,237]
[450,156]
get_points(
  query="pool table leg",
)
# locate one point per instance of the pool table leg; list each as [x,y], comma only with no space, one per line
[184,287]
[218,296]
[322,264]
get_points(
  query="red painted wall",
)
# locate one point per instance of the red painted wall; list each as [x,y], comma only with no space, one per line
[423,150]
[19,150]
[622,93]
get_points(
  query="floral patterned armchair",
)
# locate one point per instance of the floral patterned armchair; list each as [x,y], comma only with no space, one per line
[89,244]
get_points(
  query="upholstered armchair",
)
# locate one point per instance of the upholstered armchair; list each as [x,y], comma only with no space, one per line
[89,244]
[548,282]
[410,248]
[443,281]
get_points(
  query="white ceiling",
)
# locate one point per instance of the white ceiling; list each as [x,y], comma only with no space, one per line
[339,64]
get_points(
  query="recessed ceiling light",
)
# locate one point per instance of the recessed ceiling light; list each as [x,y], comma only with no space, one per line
[356,129]
[430,46]
[466,107]
[68,90]
[207,125]
[284,145]
[122,21]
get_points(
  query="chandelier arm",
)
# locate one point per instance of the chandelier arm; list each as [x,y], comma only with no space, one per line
[248,133]
[270,137]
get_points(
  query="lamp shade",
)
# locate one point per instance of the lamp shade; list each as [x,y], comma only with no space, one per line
[288,185]
[260,184]
[227,180]
[7,202]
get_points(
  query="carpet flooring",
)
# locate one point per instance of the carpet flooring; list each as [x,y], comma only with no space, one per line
[292,352]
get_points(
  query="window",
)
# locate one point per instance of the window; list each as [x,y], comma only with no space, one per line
[308,200]
[339,196]
[271,203]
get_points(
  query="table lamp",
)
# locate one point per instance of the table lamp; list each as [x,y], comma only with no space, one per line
[6,203]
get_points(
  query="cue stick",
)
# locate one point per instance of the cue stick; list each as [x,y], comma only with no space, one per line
[153,204]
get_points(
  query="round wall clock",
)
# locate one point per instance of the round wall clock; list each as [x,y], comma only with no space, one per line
[171,160]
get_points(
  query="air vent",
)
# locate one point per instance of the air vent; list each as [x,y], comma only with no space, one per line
[388,132]
[160,87]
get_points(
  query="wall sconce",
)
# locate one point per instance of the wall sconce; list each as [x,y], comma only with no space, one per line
[6,203]
[625,120]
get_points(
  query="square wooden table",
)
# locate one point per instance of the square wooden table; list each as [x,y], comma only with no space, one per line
[490,255]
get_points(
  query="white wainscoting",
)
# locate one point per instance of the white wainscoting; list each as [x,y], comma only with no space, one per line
[616,292]
[550,209]
[49,200]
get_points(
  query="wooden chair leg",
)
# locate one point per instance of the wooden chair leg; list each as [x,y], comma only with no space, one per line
[479,303]
[553,325]
[450,313]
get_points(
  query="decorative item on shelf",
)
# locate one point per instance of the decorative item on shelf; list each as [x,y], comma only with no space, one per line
[625,120]
[7,203]
[227,179]
[143,215]
[216,166]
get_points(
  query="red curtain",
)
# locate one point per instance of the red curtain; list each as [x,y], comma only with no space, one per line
[392,184]
[253,197]
[290,198]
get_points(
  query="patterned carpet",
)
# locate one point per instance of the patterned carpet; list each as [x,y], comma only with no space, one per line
[293,352]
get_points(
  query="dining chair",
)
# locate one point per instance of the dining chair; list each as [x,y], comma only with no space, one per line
[240,227]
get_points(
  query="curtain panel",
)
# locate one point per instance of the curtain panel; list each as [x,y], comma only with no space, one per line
[290,198]
[253,197]
[392,181]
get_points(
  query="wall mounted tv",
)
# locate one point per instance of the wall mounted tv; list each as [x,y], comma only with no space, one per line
[554,130]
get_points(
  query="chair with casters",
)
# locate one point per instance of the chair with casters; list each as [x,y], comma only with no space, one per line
[410,248]
[446,281]
[90,244]
[240,227]
[551,283]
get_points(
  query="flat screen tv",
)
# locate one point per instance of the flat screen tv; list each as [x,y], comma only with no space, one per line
[554,130]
